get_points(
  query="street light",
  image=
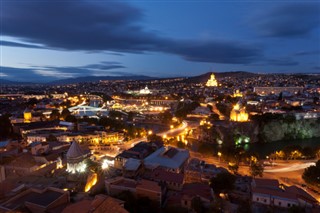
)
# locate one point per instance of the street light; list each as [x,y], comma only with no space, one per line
[219,154]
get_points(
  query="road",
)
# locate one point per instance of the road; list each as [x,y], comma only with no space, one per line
[169,133]
[286,172]
[215,110]
[289,167]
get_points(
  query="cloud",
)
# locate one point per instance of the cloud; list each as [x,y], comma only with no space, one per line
[3,75]
[316,68]
[108,27]
[282,62]
[54,73]
[49,73]
[290,20]
[17,44]
[215,51]
[307,53]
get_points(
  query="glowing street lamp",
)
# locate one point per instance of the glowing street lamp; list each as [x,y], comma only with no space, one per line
[219,154]
[150,132]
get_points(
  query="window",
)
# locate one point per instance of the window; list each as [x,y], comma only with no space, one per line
[289,204]
[279,203]
[265,200]
[257,199]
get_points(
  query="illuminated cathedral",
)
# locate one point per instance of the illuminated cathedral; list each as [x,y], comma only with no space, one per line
[76,159]
[239,114]
[212,82]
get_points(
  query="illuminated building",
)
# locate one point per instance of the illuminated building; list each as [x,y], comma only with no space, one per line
[239,114]
[91,181]
[75,159]
[237,93]
[27,115]
[212,82]
[145,91]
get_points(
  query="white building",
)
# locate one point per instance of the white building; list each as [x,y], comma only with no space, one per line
[145,91]
[76,159]
[269,192]
[170,158]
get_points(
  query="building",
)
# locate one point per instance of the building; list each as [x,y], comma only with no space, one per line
[145,91]
[139,188]
[139,151]
[100,204]
[239,114]
[190,192]
[263,91]
[169,158]
[38,148]
[270,192]
[132,168]
[36,200]
[237,93]
[27,115]
[212,82]
[199,171]
[22,165]
[76,159]
[173,181]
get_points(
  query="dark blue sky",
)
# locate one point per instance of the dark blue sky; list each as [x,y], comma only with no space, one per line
[43,40]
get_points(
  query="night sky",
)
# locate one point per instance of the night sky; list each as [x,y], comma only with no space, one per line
[44,40]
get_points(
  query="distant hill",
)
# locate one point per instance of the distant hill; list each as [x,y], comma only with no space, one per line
[99,78]
[233,74]
[7,82]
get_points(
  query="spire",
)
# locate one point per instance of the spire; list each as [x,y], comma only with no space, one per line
[74,151]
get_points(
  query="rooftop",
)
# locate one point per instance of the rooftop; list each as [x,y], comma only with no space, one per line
[41,198]
[168,157]
[74,151]
[162,175]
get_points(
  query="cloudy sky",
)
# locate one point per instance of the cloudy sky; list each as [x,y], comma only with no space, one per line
[44,40]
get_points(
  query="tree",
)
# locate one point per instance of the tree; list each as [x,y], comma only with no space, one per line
[214,117]
[154,138]
[129,199]
[181,145]
[71,118]
[311,174]
[296,209]
[233,167]
[165,117]
[51,138]
[223,182]
[5,126]
[55,115]
[280,98]
[65,113]
[256,169]
[197,204]
[206,149]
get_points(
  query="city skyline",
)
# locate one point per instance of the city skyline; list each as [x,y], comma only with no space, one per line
[45,41]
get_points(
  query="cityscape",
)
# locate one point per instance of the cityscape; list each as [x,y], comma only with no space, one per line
[106,109]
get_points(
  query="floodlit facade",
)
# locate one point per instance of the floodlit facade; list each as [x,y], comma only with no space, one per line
[239,114]
[27,115]
[145,91]
[212,82]
[75,159]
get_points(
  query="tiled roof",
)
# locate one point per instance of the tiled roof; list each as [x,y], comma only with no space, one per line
[162,175]
[74,151]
